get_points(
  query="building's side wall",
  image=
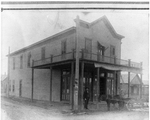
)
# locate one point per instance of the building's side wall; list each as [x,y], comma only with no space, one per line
[41,76]
[56,82]
[41,84]
[18,74]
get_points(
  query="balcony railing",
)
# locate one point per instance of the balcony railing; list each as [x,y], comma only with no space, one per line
[87,56]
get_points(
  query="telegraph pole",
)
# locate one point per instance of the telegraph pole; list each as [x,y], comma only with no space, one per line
[8,73]
[76,86]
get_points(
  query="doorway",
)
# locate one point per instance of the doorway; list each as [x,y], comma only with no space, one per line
[102,86]
[65,86]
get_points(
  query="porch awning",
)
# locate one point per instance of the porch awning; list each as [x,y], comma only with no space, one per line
[122,68]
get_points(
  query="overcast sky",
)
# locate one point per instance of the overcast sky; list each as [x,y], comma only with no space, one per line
[22,28]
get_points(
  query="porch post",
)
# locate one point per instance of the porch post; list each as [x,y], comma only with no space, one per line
[141,82]
[51,69]
[114,84]
[8,79]
[71,85]
[129,79]
[32,81]
[81,85]
[118,87]
[98,79]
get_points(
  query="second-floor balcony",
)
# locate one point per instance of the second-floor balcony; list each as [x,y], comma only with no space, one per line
[94,57]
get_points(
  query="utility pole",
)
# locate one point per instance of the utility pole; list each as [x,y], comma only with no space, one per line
[8,73]
[141,88]
[76,86]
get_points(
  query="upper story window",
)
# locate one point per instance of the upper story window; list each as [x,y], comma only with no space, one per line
[29,60]
[112,50]
[101,48]
[10,85]
[88,45]
[21,61]
[63,46]
[13,63]
[13,85]
[43,53]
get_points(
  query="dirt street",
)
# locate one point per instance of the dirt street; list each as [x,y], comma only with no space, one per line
[12,109]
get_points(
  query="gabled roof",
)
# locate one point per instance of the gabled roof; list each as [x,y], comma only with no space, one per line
[108,25]
[44,40]
[85,24]
[134,79]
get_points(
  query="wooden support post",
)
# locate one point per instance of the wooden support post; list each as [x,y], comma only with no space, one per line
[98,89]
[129,79]
[8,79]
[51,69]
[76,87]
[114,84]
[71,85]
[141,91]
[32,82]
[81,85]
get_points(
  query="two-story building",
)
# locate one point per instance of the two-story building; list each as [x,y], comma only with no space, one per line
[46,70]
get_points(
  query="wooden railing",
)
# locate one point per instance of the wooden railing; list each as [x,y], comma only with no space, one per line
[87,56]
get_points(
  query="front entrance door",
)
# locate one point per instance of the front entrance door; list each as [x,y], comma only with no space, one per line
[88,83]
[65,88]
[102,86]
[110,84]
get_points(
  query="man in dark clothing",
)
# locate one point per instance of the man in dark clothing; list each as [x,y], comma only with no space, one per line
[86,97]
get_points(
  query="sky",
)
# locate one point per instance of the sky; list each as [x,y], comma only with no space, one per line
[23,28]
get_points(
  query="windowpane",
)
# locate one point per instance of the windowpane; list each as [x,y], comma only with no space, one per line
[63,47]
[88,45]
[13,85]
[21,61]
[29,59]
[13,63]
[43,53]
[112,50]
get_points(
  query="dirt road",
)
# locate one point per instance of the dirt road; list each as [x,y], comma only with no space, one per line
[16,110]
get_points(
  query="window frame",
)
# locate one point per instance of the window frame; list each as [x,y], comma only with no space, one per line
[86,48]
[14,63]
[43,51]
[64,46]
[21,62]
[29,59]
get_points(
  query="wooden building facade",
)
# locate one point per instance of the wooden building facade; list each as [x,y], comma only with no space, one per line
[47,70]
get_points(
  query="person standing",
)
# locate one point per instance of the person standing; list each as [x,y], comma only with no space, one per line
[86,97]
